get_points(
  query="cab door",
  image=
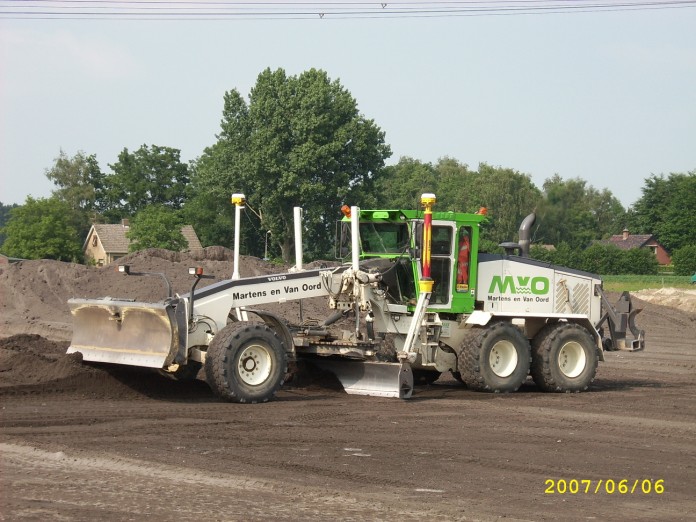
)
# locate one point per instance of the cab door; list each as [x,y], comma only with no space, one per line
[441,263]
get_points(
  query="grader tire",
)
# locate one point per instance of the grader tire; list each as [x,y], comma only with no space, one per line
[564,358]
[246,363]
[495,358]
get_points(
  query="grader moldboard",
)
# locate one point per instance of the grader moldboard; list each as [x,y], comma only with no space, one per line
[415,282]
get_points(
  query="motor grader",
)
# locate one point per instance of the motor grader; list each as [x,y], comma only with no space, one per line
[420,300]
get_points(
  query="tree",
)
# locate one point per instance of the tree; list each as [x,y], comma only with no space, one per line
[607,213]
[401,185]
[602,259]
[575,213]
[5,211]
[156,226]
[639,261]
[667,209]
[79,180]
[508,195]
[148,176]
[213,221]
[299,141]
[80,184]
[41,229]
[684,260]
[208,207]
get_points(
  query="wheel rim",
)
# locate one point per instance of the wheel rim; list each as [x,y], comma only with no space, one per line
[503,358]
[572,359]
[255,364]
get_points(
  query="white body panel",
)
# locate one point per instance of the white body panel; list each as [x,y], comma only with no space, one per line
[215,301]
[516,286]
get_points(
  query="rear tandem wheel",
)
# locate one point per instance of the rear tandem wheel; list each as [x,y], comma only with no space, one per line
[246,362]
[564,358]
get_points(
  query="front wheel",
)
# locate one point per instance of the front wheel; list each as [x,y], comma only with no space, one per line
[564,358]
[246,362]
[495,358]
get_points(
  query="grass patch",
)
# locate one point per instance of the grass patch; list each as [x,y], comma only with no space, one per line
[633,283]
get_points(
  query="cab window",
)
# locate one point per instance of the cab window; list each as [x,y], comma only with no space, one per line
[383,238]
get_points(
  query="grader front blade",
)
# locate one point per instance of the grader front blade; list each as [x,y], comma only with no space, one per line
[126,332]
[371,378]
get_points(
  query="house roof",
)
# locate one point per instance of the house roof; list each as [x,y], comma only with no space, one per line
[190,236]
[627,241]
[114,240]
[632,241]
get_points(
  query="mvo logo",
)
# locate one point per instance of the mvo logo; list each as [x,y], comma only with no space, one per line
[519,285]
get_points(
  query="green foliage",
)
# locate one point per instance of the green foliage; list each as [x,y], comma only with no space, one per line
[507,194]
[42,229]
[667,209]
[602,259]
[148,176]
[401,185]
[565,255]
[4,217]
[575,213]
[640,261]
[214,223]
[599,259]
[684,260]
[299,141]
[453,181]
[79,180]
[490,247]
[156,226]
[80,184]
[540,253]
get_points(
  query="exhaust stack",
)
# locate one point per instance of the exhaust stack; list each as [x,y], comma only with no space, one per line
[524,238]
[525,234]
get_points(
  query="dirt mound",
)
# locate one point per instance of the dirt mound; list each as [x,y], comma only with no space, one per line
[30,360]
[678,298]
[36,325]
[34,365]
[34,294]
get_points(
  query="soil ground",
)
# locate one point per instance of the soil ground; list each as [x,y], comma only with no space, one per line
[85,442]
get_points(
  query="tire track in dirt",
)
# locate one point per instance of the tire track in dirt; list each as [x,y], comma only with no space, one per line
[218,495]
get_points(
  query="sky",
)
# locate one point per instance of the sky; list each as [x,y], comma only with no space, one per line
[609,97]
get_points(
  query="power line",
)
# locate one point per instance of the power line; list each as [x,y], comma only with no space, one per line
[265,10]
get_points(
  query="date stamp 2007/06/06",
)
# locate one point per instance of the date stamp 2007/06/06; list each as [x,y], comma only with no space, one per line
[604,487]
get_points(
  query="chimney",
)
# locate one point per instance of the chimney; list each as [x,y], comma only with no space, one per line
[125,223]
[625,234]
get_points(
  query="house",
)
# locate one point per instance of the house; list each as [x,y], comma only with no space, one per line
[4,260]
[627,241]
[106,243]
